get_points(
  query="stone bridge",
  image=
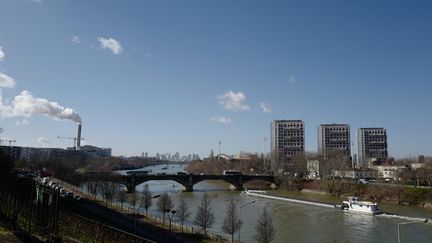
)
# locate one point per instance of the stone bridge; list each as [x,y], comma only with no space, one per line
[186,180]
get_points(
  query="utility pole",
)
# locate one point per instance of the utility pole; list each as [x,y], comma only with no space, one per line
[71,138]
[264,155]
[219,143]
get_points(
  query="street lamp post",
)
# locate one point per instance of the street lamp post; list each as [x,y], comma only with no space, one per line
[242,206]
[170,218]
[409,222]
[148,199]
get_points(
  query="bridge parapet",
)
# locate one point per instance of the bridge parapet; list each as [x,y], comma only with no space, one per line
[186,180]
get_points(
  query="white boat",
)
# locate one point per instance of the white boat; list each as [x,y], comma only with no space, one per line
[354,205]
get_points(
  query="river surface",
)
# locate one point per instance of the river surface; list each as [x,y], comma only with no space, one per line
[296,222]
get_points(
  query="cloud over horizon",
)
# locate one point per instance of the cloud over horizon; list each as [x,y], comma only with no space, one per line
[6,81]
[221,119]
[111,44]
[232,101]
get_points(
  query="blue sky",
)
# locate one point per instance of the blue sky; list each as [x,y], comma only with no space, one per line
[177,76]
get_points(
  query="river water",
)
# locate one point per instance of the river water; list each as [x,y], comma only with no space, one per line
[296,222]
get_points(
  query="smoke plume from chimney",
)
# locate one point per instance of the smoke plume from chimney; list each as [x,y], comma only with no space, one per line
[25,105]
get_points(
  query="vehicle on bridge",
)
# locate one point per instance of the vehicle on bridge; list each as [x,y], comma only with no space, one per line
[231,172]
[138,173]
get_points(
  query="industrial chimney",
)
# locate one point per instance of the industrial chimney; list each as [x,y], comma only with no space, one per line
[78,144]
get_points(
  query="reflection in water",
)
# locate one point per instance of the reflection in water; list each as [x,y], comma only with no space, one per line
[294,222]
[358,224]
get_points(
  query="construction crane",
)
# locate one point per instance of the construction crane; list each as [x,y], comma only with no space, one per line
[6,140]
[74,138]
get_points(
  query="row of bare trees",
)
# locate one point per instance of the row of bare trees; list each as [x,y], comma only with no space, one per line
[204,218]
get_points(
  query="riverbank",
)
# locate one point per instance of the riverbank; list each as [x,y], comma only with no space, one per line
[377,192]
[151,223]
[325,198]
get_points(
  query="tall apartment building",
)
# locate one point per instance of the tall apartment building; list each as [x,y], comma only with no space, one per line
[372,144]
[287,138]
[334,139]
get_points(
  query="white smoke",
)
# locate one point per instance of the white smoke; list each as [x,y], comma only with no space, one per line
[25,105]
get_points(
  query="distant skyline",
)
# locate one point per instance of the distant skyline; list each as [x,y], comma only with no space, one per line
[179,76]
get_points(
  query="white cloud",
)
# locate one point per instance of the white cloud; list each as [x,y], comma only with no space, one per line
[221,119]
[266,108]
[6,81]
[291,79]
[2,54]
[75,39]
[36,1]
[112,44]
[233,101]
[26,105]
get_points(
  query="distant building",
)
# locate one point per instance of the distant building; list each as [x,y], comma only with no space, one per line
[313,169]
[334,139]
[211,155]
[287,139]
[356,173]
[389,172]
[14,152]
[421,159]
[96,151]
[372,145]
[40,154]
[195,157]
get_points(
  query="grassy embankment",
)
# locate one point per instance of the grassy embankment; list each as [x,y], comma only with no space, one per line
[334,191]
[7,235]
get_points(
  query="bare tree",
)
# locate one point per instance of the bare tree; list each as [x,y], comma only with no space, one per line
[146,201]
[334,167]
[231,223]
[298,165]
[108,189]
[205,216]
[164,204]
[426,173]
[93,187]
[133,200]
[121,196]
[265,231]
[182,211]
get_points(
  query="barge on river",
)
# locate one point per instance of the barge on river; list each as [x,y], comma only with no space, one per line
[354,205]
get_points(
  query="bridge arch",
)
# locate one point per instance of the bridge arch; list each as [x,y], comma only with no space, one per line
[186,180]
[175,183]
